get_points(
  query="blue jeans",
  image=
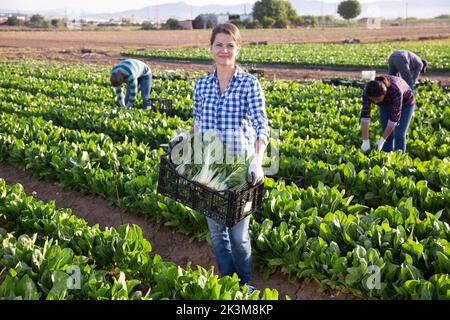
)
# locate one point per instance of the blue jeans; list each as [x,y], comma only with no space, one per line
[232,247]
[397,139]
[145,85]
[397,64]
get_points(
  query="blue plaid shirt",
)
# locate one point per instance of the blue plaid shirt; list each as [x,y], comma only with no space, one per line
[238,115]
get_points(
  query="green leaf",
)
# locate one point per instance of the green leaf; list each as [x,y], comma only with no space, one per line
[60,286]
[275,262]
[26,289]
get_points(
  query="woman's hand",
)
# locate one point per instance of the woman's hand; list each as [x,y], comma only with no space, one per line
[255,170]
[184,136]
[379,144]
[365,145]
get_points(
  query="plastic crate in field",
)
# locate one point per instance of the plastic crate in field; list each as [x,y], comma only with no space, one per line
[256,72]
[162,105]
[227,207]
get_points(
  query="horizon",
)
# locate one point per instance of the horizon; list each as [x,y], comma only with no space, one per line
[87,7]
[112,6]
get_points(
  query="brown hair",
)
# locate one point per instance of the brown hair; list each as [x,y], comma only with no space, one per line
[116,79]
[385,80]
[377,87]
[229,29]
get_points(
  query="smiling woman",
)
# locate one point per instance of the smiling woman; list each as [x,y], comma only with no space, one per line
[225,44]
[230,102]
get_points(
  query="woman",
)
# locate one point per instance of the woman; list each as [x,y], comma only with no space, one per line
[396,102]
[231,102]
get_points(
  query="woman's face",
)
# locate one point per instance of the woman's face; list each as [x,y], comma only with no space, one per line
[377,99]
[224,50]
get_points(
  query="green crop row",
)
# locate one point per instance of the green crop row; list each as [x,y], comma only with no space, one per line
[38,262]
[78,170]
[407,192]
[330,55]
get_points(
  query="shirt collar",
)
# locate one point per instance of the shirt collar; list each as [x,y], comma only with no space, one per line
[238,73]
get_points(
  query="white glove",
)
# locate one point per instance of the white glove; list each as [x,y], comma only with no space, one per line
[255,170]
[184,136]
[365,145]
[379,144]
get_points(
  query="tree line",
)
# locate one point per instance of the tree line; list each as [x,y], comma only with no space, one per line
[266,14]
[35,21]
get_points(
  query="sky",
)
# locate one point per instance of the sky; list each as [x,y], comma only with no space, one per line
[104,6]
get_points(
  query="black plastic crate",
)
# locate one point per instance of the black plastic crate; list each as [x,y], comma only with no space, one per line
[359,84]
[171,77]
[347,83]
[162,105]
[257,72]
[332,81]
[227,207]
[344,82]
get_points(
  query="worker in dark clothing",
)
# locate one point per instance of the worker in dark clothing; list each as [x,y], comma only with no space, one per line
[408,65]
[396,108]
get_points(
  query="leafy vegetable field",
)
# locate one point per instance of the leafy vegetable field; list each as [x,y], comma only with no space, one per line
[374,225]
[48,243]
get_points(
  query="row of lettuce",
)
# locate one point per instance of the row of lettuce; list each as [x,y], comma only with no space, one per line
[372,183]
[372,55]
[48,253]
[304,231]
[318,158]
[316,111]
[328,231]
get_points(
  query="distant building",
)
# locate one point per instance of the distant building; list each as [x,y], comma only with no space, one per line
[223,18]
[211,20]
[186,24]
[74,24]
[207,20]
[371,22]
[19,17]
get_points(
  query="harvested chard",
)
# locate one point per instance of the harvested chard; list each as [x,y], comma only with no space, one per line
[217,176]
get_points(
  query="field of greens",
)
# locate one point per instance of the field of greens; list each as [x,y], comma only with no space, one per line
[360,217]
[46,244]
[326,55]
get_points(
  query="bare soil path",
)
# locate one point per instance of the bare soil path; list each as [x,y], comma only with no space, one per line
[200,38]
